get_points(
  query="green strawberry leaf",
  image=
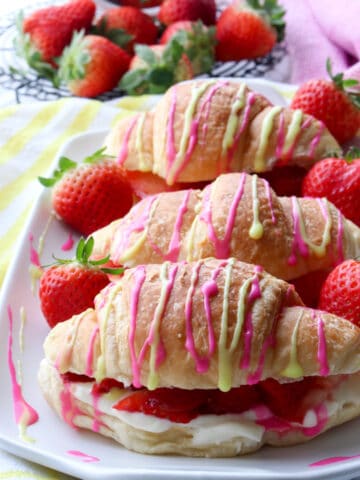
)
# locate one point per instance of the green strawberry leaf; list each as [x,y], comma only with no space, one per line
[133,81]
[97,156]
[146,54]
[161,76]
[272,13]
[344,84]
[84,249]
[119,36]
[75,57]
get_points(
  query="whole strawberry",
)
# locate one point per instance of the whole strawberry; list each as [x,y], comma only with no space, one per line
[43,35]
[69,287]
[92,65]
[155,68]
[89,195]
[337,179]
[174,10]
[340,293]
[249,29]
[332,102]
[126,26]
[141,3]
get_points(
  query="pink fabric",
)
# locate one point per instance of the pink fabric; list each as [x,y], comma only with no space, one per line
[318,29]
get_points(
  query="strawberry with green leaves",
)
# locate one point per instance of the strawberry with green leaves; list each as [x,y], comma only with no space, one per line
[89,195]
[198,42]
[70,286]
[334,102]
[92,65]
[126,26]
[155,68]
[43,35]
[249,29]
[172,11]
[337,179]
[340,293]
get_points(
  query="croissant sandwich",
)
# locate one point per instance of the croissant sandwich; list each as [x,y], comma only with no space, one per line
[237,215]
[202,128]
[202,359]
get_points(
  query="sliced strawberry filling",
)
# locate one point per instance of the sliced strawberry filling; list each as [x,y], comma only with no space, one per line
[147,183]
[287,401]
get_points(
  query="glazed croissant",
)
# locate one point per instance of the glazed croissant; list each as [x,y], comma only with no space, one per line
[202,128]
[237,215]
[213,325]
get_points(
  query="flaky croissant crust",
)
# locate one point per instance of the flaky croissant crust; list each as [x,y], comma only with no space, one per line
[202,128]
[237,215]
[207,324]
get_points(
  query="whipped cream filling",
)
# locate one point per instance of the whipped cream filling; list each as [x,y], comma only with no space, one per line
[205,429]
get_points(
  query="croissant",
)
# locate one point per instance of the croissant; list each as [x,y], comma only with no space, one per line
[156,364]
[237,215]
[202,128]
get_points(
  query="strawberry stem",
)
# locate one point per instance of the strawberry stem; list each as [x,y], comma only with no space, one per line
[344,84]
[272,13]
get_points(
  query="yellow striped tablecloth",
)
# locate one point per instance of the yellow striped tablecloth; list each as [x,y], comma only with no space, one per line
[30,138]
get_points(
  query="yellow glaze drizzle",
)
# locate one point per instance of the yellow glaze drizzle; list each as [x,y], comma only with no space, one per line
[233,119]
[256,230]
[100,371]
[138,142]
[153,378]
[259,164]
[135,247]
[225,360]
[63,359]
[196,93]
[293,130]
[23,424]
[319,250]
[294,369]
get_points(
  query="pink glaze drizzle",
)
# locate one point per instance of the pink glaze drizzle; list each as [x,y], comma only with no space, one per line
[269,197]
[207,103]
[34,255]
[174,246]
[68,408]
[315,141]
[271,422]
[281,136]
[83,456]
[245,120]
[124,151]
[222,246]
[68,244]
[298,242]
[321,353]
[25,414]
[330,460]
[139,276]
[255,293]
[137,225]
[340,239]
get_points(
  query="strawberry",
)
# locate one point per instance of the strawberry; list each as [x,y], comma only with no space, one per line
[89,195]
[308,286]
[248,30]
[126,26]
[45,33]
[92,65]
[172,11]
[141,3]
[198,41]
[331,102]
[340,293]
[69,287]
[286,181]
[337,179]
[171,403]
[290,401]
[154,69]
